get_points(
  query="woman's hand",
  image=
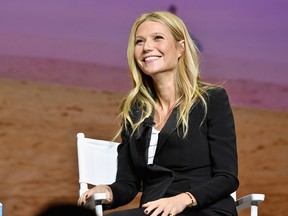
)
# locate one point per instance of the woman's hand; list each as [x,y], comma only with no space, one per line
[167,206]
[97,189]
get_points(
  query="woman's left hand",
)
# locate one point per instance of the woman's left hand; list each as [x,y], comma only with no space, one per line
[167,206]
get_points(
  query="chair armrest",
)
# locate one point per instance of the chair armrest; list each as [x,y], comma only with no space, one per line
[96,199]
[95,202]
[249,200]
[99,198]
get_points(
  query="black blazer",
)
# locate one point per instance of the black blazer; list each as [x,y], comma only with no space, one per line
[203,163]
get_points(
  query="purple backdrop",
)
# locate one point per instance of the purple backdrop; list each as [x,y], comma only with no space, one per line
[241,40]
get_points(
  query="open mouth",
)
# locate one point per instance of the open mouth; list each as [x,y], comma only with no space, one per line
[149,58]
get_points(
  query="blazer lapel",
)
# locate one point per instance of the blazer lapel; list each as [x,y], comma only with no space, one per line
[167,130]
[141,138]
[170,127]
[140,142]
[147,123]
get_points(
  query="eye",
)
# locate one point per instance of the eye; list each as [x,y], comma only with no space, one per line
[158,37]
[139,41]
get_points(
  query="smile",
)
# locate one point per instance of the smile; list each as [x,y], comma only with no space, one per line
[149,58]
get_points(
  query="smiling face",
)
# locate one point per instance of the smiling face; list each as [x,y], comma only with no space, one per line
[156,50]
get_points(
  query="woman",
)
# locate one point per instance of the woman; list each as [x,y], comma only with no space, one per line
[178,136]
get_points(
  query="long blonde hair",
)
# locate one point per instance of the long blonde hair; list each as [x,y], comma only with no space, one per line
[188,84]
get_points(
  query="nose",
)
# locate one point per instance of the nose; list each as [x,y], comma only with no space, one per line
[148,45]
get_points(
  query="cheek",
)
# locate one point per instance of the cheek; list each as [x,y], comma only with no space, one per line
[173,53]
[137,60]
[170,49]
[137,53]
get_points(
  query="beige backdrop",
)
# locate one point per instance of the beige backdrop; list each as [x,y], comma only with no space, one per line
[38,161]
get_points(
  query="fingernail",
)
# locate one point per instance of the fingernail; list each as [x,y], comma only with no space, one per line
[146,212]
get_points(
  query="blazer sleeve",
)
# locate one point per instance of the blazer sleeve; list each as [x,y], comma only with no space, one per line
[223,152]
[127,185]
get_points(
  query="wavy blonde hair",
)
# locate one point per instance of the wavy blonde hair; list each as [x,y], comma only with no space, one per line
[188,84]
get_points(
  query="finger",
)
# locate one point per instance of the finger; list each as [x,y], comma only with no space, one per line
[148,207]
[80,201]
[108,200]
[168,214]
[146,204]
[83,198]
[156,212]
[155,209]
[146,211]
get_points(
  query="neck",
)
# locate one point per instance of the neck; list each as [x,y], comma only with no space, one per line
[166,99]
[166,93]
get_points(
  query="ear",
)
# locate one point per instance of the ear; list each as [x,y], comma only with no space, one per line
[181,48]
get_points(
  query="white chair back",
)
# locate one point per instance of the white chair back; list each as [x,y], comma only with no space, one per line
[97,161]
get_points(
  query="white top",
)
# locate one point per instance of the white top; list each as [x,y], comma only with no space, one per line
[153,145]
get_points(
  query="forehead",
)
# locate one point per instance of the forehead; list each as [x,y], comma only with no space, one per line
[151,27]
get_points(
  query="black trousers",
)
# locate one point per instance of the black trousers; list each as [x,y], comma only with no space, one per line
[186,212]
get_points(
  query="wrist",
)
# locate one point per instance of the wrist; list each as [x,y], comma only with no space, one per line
[193,201]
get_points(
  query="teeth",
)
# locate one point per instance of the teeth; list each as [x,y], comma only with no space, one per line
[151,58]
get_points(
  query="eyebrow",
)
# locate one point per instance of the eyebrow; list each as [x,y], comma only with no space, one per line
[154,33]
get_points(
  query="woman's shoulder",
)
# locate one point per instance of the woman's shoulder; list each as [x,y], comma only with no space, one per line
[217,101]
[215,92]
[215,96]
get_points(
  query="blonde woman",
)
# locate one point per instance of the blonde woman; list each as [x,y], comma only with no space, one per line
[178,137]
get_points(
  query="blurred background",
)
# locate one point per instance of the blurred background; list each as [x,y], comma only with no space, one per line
[240,40]
[63,69]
